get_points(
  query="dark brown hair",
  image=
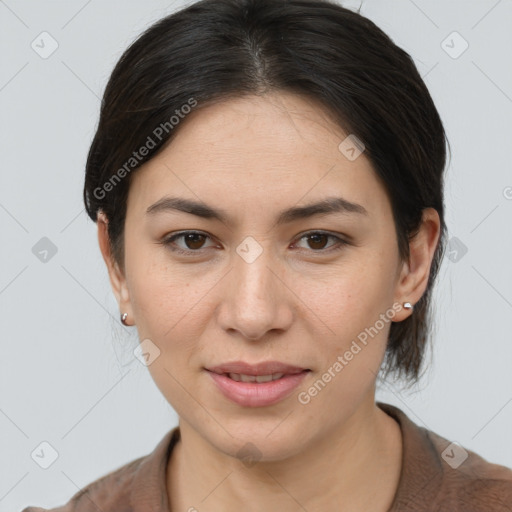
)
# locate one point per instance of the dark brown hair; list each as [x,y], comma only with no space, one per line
[214,50]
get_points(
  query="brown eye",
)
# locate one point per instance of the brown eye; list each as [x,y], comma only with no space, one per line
[192,241]
[317,241]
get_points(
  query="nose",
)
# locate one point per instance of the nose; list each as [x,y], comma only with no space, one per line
[255,298]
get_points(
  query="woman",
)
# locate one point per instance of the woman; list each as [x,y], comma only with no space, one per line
[267,180]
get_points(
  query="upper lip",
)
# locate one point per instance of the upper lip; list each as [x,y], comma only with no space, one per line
[263,368]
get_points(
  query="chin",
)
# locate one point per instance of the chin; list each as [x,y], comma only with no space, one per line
[259,440]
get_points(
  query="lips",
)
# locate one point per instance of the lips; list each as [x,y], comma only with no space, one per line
[256,385]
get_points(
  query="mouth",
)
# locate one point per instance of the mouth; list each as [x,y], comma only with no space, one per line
[257,385]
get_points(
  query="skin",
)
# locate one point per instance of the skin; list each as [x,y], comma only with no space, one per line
[299,302]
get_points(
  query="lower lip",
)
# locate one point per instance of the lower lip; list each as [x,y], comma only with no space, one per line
[253,394]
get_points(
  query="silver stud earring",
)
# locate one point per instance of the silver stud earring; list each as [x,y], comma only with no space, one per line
[408,305]
[124,316]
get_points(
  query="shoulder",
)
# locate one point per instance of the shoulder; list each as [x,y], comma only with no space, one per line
[471,480]
[106,493]
[441,475]
[137,486]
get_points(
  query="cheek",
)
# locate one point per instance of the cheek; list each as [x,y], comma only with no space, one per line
[353,350]
[353,294]
[173,306]
[168,311]
[356,306]
[161,296]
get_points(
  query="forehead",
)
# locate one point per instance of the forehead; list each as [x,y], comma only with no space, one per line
[275,124]
[255,151]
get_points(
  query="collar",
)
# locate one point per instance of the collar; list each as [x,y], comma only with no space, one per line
[422,472]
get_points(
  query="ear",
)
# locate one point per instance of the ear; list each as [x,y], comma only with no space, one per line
[415,272]
[116,275]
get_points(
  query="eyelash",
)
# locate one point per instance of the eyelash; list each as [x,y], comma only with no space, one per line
[168,241]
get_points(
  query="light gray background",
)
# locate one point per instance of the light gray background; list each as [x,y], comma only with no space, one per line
[67,372]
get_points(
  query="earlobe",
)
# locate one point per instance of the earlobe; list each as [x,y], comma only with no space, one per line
[116,276]
[416,271]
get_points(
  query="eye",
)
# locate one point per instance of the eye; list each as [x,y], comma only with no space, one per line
[193,241]
[317,240]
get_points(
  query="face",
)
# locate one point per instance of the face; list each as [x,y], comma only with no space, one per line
[239,279]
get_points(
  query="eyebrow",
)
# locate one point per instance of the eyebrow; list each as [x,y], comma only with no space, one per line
[330,205]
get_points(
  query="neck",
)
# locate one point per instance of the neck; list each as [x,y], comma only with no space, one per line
[357,464]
